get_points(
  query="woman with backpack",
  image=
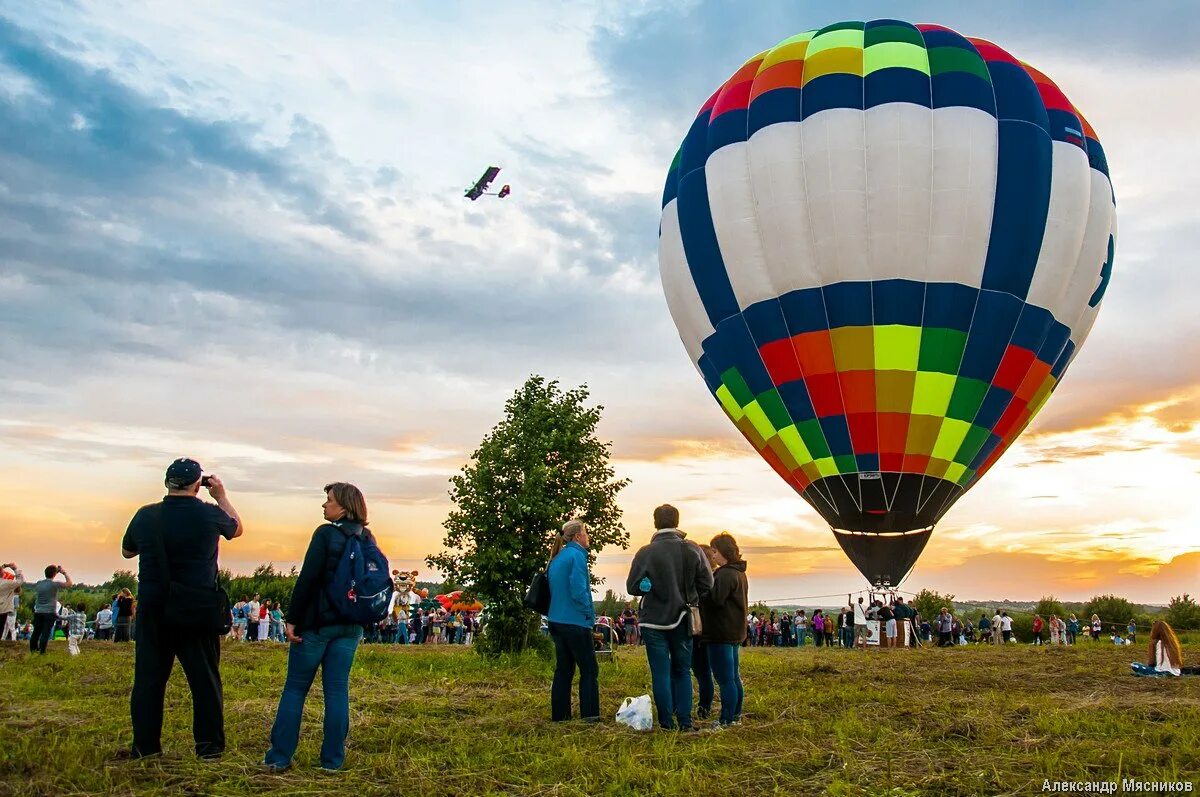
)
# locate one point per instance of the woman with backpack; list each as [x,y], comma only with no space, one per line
[320,625]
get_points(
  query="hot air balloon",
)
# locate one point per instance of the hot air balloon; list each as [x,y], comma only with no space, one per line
[882,245]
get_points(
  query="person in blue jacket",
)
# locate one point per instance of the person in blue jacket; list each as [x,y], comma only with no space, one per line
[570,621]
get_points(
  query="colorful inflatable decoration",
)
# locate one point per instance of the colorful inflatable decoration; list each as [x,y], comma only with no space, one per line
[883,244]
[454,602]
[466,605]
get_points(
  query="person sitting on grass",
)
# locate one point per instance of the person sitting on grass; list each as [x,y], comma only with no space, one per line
[1165,656]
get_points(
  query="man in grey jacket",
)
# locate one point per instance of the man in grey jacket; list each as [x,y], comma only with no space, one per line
[670,574]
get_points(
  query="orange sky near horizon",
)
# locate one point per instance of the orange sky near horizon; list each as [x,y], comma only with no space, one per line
[1102,508]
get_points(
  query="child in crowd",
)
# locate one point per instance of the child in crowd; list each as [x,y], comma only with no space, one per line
[76,626]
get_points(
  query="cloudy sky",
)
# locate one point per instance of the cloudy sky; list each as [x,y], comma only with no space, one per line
[239,235]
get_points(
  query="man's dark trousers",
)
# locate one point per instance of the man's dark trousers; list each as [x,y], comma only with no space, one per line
[158,645]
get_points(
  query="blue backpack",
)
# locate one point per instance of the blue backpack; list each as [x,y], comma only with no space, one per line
[361,588]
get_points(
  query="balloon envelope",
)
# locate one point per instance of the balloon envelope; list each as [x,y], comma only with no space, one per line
[882,245]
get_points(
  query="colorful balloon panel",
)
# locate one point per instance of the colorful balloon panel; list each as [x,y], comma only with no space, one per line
[882,245]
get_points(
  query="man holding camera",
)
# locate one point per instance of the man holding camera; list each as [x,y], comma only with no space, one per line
[185,531]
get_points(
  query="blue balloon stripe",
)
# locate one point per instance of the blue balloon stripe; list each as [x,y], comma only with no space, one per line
[1022,205]
[702,251]
[897,84]
[773,107]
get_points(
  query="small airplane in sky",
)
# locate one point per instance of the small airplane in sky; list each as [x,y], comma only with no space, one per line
[481,185]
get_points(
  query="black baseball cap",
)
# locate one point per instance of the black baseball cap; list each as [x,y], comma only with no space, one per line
[183,472]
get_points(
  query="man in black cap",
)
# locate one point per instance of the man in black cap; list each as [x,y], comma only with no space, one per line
[190,530]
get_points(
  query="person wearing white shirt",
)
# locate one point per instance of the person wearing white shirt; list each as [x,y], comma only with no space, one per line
[11,582]
[1005,626]
[252,612]
[997,628]
[860,624]
[104,623]
[1165,655]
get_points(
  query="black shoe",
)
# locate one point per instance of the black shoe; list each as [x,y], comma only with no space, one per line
[130,754]
[590,720]
[688,729]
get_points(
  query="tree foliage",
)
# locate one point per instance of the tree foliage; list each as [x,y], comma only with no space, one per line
[266,582]
[540,466]
[612,605]
[122,579]
[929,603]
[1110,609]
[1049,605]
[1183,613]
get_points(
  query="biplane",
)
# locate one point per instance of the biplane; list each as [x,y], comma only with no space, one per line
[480,188]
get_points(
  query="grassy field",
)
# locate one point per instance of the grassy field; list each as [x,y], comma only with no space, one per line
[436,721]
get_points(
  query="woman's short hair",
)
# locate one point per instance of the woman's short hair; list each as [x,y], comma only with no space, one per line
[349,498]
[727,546]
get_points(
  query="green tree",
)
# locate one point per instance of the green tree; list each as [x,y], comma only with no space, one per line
[763,609]
[1111,610]
[612,605]
[122,579]
[929,603]
[1183,613]
[540,466]
[1049,605]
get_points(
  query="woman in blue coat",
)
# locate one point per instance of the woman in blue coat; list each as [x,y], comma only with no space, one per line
[570,620]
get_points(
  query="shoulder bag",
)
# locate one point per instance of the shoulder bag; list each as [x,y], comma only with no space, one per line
[204,610]
[693,611]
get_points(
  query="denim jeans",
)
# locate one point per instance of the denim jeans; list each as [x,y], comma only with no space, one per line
[574,647]
[704,677]
[801,636]
[726,668]
[670,656]
[43,631]
[332,649]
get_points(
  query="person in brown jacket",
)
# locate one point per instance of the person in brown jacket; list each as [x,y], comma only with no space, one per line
[723,617]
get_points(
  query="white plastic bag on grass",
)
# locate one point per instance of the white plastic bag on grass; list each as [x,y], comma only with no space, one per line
[637,713]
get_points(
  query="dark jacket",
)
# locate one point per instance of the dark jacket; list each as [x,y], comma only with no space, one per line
[723,610]
[678,573]
[310,607]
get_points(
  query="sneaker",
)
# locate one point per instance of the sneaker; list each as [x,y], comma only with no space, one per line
[689,729]
[129,754]
[590,720]
[713,727]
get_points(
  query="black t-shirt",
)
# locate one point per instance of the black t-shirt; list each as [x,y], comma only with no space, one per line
[191,529]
